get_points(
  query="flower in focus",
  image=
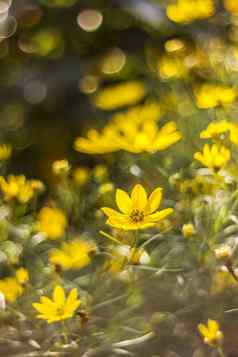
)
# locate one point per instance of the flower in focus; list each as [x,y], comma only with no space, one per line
[5,152]
[213,157]
[120,95]
[76,254]
[211,333]
[52,222]
[217,130]
[18,187]
[136,211]
[59,307]
[61,167]
[212,95]
[190,10]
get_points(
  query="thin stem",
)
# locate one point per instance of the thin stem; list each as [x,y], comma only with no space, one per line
[220,351]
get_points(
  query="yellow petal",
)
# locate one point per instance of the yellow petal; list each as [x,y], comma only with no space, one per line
[157,216]
[213,326]
[155,199]
[139,198]
[123,201]
[203,330]
[111,212]
[59,295]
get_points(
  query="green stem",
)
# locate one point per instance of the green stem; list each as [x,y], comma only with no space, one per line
[64,333]
[220,351]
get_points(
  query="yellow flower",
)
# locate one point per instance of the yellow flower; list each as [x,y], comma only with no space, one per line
[217,130]
[136,211]
[76,254]
[81,175]
[11,289]
[212,95]
[22,276]
[59,307]
[222,280]
[120,95]
[171,67]
[52,222]
[231,6]
[61,167]
[188,230]
[5,152]
[211,333]
[18,187]
[105,188]
[185,11]
[213,157]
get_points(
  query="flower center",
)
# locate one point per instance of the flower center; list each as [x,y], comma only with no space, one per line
[137,216]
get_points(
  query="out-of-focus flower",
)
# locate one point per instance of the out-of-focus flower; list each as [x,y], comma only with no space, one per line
[124,255]
[136,211]
[5,152]
[184,11]
[217,130]
[105,188]
[213,157]
[222,280]
[212,335]
[22,276]
[11,289]
[120,95]
[223,252]
[171,67]
[213,95]
[231,6]
[76,254]
[52,222]
[59,307]
[188,230]
[81,175]
[61,167]
[18,187]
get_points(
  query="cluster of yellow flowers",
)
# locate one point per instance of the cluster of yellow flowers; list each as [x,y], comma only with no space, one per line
[13,287]
[213,95]
[133,131]
[185,11]
[19,188]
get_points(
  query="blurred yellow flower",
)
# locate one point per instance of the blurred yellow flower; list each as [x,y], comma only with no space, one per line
[222,280]
[11,289]
[5,152]
[100,173]
[136,211]
[217,130]
[61,167]
[120,95]
[190,10]
[76,254]
[59,307]
[18,187]
[81,175]
[171,67]
[211,333]
[214,156]
[52,222]
[188,230]
[213,95]
[105,188]
[231,6]
[22,276]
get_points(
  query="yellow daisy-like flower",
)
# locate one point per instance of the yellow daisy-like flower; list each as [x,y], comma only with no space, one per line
[211,333]
[218,129]
[59,307]
[136,211]
[11,289]
[213,95]
[120,95]
[185,11]
[76,254]
[213,157]
[52,222]
[5,152]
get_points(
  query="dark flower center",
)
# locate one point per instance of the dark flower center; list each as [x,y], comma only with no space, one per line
[137,216]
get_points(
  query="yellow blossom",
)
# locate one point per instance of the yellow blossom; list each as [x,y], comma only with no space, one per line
[5,152]
[100,173]
[81,175]
[213,95]
[185,11]
[188,230]
[217,130]
[22,276]
[18,187]
[11,289]
[105,188]
[171,67]
[211,333]
[222,280]
[52,222]
[136,211]
[231,6]
[213,157]
[120,95]
[61,167]
[59,307]
[76,254]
